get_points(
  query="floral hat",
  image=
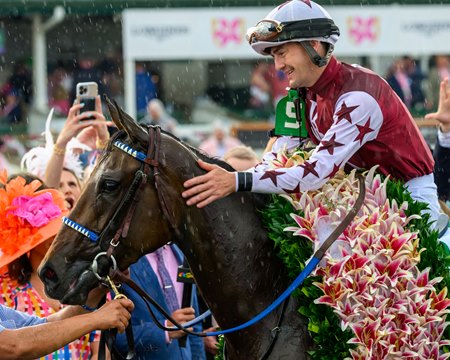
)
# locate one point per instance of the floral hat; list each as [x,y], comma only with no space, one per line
[27,217]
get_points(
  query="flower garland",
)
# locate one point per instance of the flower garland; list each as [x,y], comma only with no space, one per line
[380,292]
[370,276]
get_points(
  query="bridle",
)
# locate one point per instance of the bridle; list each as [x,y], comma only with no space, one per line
[150,168]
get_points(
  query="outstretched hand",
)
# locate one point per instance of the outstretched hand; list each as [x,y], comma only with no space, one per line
[97,132]
[87,126]
[443,112]
[204,189]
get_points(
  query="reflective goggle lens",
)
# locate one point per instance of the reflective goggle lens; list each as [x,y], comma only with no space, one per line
[263,31]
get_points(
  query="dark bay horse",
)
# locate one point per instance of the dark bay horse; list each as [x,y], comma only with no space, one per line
[227,248]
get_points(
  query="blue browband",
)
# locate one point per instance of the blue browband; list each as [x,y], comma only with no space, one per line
[81,229]
[130,151]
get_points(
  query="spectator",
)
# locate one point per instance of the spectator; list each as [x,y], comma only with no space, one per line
[60,83]
[416,77]
[260,89]
[10,146]
[112,69]
[219,142]
[278,83]
[267,87]
[59,163]
[10,106]
[20,80]
[156,273]
[442,149]
[81,135]
[439,71]
[25,236]
[400,82]
[145,90]
[157,115]
[86,70]
[241,158]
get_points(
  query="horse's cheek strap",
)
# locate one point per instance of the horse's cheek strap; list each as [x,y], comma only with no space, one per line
[129,217]
[130,196]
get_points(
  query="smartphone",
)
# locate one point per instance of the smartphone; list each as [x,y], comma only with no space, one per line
[86,93]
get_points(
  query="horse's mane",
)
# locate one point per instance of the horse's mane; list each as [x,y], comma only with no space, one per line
[201,154]
[260,199]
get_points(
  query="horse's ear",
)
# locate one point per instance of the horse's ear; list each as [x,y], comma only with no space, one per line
[125,122]
[113,112]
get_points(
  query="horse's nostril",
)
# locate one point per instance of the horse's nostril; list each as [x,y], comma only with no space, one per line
[49,275]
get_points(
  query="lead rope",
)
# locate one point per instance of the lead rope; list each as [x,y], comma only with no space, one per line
[108,337]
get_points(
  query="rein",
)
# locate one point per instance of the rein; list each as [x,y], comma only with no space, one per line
[150,168]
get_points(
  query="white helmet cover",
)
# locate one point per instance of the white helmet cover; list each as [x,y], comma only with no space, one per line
[301,11]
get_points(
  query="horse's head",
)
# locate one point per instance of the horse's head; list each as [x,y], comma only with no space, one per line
[112,214]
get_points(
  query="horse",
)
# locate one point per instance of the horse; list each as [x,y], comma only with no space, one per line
[225,243]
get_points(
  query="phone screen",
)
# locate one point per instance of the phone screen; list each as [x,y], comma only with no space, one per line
[89,106]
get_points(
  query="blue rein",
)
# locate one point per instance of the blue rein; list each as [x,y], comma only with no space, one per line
[309,268]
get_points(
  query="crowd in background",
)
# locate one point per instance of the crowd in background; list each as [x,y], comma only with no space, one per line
[67,163]
[419,91]
[415,87]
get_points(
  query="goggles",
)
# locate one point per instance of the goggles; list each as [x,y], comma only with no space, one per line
[272,30]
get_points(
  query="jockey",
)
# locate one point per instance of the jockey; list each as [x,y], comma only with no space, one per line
[350,113]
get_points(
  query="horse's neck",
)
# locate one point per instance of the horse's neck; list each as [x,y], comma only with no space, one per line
[232,259]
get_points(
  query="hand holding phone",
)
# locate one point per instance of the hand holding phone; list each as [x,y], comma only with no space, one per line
[86,93]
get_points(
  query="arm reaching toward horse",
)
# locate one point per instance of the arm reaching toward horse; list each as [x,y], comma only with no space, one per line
[31,342]
[215,184]
[340,142]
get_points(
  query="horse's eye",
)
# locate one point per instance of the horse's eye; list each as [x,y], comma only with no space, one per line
[109,185]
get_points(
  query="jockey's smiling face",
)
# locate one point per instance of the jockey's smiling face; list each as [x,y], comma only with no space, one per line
[292,59]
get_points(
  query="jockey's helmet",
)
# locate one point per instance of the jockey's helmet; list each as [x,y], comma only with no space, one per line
[295,21]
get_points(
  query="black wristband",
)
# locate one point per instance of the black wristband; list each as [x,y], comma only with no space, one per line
[271,133]
[88,308]
[245,181]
